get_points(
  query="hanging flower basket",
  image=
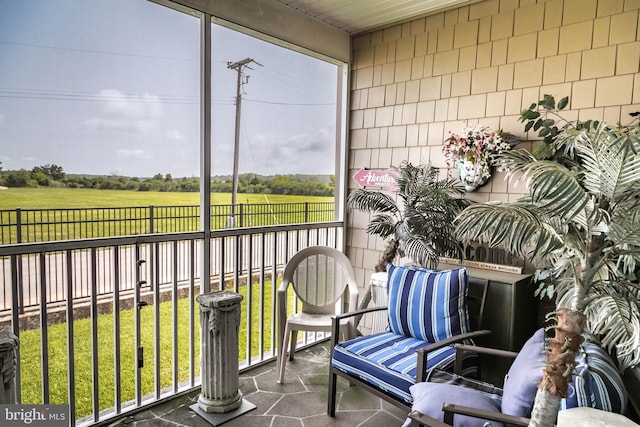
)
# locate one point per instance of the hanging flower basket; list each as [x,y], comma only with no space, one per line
[472,152]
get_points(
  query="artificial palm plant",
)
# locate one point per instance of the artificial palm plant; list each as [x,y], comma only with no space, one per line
[422,227]
[580,225]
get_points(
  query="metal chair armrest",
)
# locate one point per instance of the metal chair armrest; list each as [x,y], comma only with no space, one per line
[486,350]
[335,321]
[421,372]
[418,418]
[361,311]
[484,414]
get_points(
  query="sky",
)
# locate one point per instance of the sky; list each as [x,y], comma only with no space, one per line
[111,87]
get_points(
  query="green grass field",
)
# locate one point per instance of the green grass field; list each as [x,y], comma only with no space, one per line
[59,198]
[31,369]
[49,214]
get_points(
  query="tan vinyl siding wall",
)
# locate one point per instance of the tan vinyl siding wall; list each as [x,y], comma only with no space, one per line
[415,82]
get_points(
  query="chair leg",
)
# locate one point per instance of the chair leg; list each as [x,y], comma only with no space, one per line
[282,355]
[294,341]
[331,399]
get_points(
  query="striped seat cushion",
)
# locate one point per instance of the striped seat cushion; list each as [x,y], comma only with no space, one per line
[426,304]
[388,361]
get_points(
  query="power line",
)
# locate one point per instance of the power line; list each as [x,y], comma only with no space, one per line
[156,99]
[290,103]
[44,94]
[97,99]
[99,52]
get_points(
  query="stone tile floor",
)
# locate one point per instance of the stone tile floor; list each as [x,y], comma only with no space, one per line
[300,402]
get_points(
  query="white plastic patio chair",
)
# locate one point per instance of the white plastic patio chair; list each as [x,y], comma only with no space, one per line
[323,281]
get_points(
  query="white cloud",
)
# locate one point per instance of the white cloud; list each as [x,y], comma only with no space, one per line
[122,113]
[136,153]
[321,141]
[3,120]
[106,124]
[174,135]
[268,154]
[120,126]
[119,104]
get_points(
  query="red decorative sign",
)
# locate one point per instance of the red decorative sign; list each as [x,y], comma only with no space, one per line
[384,178]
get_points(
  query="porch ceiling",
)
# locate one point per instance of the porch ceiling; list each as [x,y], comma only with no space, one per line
[356,16]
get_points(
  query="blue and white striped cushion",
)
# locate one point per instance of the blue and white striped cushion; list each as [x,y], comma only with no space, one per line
[427,304]
[596,383]
[388,361]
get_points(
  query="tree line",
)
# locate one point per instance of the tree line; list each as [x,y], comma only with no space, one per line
[51,175]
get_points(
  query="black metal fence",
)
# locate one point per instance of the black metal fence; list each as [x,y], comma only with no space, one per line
[45,225]
[150,347]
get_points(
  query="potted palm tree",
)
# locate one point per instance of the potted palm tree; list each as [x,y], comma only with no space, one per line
[580,226]
[422,227]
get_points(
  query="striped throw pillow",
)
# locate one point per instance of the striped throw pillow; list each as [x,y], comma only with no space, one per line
[427,304]
[596,381]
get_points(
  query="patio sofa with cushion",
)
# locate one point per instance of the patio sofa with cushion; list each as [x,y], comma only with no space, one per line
[596,384]
[427,314]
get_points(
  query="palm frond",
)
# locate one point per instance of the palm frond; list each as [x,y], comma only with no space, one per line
[514,161]
[382,225]
[441,190]
[610,160]
[555,189]
[371,201]
[567,145]
[552,187]
[617,319]
[592,218]
[629,142]
[627,264]
[515,227]
[598,218]
[626,233]
[624,238]
[421,252]
[413,179]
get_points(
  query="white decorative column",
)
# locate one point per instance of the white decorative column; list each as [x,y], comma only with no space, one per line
[220,322]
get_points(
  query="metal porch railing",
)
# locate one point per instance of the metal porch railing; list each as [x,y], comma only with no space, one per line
[45,225]
[131,342]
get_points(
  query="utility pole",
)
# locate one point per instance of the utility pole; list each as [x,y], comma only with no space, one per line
[239,67]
